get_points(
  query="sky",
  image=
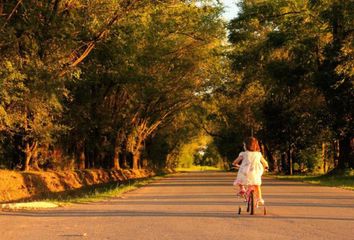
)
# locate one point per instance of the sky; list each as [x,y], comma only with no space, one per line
[231,9]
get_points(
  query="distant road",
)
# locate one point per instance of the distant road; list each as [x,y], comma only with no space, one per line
[194,206]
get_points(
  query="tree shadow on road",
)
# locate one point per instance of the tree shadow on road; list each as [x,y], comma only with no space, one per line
[175,202]
[165,214]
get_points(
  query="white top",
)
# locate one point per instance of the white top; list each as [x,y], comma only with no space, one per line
[251,169]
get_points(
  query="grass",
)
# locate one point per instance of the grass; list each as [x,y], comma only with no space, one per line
[341,181]
[98,192]
[197,168]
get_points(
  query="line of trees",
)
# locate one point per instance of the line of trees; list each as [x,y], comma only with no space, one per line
[130,83]
[98,83]
[293,86]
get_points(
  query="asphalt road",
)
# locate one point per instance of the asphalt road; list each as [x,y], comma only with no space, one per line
[194,206]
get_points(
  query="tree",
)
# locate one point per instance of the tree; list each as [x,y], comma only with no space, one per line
[287,59]
[149,69]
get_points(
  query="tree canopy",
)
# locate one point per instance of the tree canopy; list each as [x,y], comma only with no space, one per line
[135,83]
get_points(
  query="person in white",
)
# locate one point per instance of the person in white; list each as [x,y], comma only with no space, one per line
[251,169]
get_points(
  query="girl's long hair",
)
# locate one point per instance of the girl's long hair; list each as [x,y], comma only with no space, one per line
[252,144]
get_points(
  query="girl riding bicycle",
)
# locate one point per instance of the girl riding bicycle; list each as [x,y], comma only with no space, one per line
[251,169]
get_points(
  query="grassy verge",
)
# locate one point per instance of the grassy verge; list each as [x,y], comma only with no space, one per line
[345,182]
[197,168]
[98,192]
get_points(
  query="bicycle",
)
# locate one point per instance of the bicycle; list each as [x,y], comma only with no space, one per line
[251,203]
[249,197]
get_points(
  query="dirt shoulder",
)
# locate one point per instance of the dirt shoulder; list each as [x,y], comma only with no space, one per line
[25,186]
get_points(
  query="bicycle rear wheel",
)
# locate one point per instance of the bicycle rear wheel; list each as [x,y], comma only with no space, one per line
[252,203]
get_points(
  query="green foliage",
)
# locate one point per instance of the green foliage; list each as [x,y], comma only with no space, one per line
[96,80]
[300,57]
[211,157]
[345,181]
[186,157]
[311,158]
[132,83]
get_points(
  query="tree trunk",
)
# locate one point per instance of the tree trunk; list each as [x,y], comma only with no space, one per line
[34,161]
[116,164]
[345,153]
[117,150]
[136,159]
[137,150]
[289,155]
[351,154]
[271,160]
[290,160]
[284,163]
[335,153]
[29,150]
[124,154]
[324,160]
[28,156]
[82,158]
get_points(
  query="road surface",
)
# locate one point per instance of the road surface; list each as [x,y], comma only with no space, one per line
[194,206]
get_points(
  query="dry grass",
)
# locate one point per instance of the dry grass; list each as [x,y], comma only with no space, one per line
[28,186]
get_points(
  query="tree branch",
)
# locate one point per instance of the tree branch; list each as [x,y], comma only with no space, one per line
[91,44]
[12,12]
